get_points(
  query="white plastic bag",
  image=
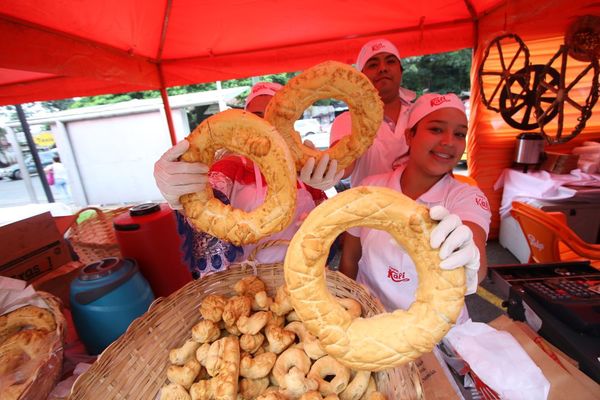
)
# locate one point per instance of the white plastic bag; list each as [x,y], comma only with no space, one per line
[499,361]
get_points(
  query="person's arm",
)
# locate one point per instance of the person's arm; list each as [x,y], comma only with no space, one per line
[351,254]
[480,241]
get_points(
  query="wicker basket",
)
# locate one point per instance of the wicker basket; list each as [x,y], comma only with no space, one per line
[45,377]
[94,238]
[135,366]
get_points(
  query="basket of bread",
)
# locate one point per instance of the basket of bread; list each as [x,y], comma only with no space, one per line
[296,330]
[31,348]
[235,335]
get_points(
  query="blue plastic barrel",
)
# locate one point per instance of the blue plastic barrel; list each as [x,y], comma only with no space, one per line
[105,298]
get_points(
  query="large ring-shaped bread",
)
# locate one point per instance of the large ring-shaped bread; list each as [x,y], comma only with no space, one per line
[246,134]
[330,79]
[385,340]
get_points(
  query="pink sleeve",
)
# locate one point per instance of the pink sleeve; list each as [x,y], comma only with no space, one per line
[342,126]
[355,231]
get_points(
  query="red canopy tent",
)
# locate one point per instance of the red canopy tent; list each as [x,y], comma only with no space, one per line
[61,48]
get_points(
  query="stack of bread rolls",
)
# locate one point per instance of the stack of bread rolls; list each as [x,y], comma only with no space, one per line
[252,346]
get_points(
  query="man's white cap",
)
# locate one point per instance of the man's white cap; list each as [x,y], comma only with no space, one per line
[430,102]
[373,48]
[262,88]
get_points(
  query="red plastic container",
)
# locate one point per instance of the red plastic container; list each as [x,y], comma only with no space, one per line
[148,234]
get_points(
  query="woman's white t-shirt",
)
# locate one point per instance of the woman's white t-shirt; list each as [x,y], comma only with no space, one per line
[385,268]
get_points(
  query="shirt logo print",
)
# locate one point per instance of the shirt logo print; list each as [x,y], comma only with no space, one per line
[482,202]
[396,275]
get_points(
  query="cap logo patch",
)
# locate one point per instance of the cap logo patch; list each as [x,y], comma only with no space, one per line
[259,87]
[377,46]
[436,101]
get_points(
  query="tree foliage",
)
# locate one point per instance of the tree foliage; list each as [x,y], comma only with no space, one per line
[441,73]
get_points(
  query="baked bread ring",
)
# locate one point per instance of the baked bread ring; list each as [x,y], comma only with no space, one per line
[330,79]
[26,317]
[329,367]
[246,134]
[385,340]
[21,350]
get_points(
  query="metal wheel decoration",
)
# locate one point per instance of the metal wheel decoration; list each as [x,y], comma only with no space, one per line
[518,98]
[560,92]
[509,67]
[583,38]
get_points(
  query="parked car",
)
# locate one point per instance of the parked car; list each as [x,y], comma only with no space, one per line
[14,172]
[308,126]
[310,129]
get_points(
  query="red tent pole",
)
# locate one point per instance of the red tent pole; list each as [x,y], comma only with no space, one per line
[167,106]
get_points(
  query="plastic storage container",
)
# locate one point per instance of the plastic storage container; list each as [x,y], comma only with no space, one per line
[105,298]
[148,234]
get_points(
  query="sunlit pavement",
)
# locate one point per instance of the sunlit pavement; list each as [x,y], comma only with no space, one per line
[14,193]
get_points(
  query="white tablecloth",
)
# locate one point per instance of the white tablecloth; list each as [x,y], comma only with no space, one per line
[549,187]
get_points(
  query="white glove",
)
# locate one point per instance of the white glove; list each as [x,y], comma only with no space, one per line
[589,157]
[175,178]
[456,244]
[324,175]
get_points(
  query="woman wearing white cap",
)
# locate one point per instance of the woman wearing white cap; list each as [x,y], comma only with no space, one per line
[436,131]
[379,60]
[236,181]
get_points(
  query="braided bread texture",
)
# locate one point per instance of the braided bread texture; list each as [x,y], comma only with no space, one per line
[385,340]
[242,133]
[330,79]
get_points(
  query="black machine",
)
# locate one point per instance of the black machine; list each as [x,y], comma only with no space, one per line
[565,297]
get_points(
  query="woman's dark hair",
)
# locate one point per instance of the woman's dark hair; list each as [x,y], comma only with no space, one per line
[56,159]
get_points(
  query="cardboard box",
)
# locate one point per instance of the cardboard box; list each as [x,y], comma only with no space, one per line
[436,379]
[26,236]
[37,262]
[566,381]
[32,247]
[58,281]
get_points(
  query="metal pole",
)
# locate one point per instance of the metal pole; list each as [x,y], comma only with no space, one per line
[166,105]
[34,153]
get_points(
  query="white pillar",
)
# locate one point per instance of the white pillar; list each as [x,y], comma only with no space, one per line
[222,105]
[12,138]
